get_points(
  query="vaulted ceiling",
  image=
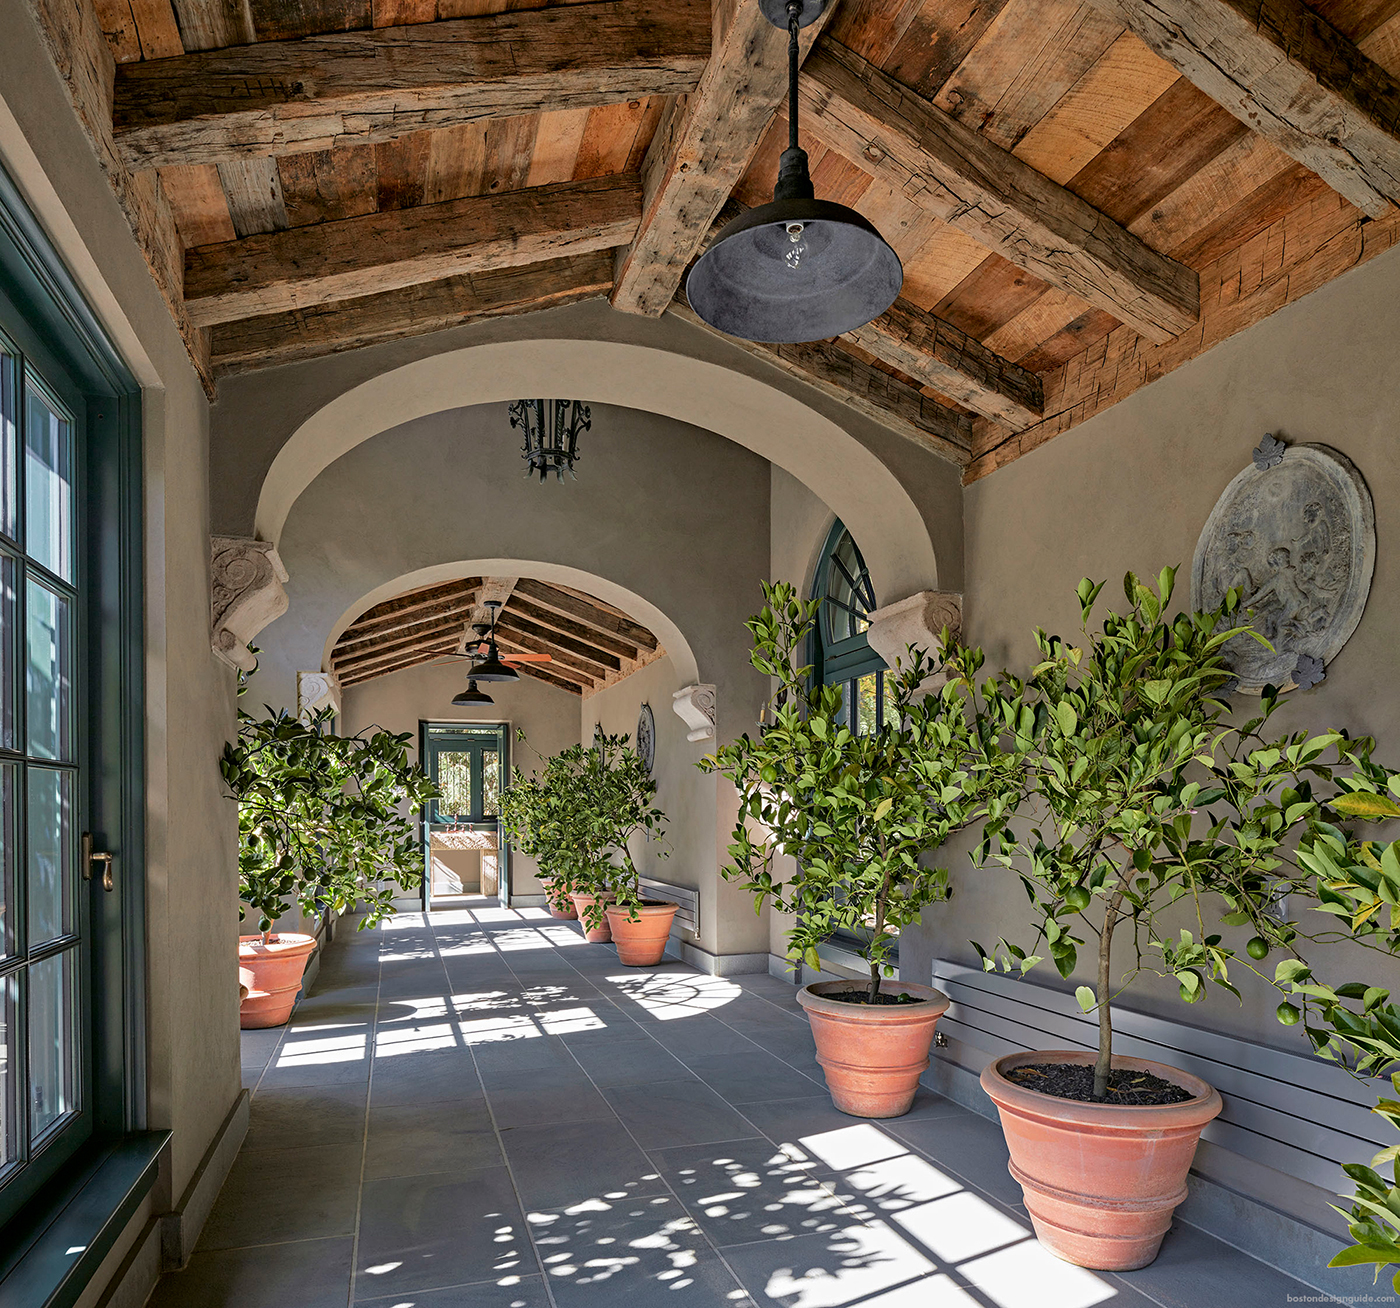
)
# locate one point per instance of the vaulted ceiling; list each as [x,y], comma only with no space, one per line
[587,643]
[1084,196]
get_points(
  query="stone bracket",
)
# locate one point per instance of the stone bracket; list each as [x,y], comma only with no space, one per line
[918,621]
[317,690]
[246,593]
[696,707]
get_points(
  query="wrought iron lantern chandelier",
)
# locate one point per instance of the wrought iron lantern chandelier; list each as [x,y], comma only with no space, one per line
[799,269]
[551,430]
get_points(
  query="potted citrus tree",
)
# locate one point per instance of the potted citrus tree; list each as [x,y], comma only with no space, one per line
[532,809]
[1159,822]
[857,814]
[323,822]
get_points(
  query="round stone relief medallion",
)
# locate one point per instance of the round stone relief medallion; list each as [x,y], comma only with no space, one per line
[1296,533]
[646,736]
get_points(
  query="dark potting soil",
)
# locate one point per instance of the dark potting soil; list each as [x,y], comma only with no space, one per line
[863,997]
[1076,1081]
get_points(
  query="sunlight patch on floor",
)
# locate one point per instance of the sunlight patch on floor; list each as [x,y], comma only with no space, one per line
[347,1045]
[668,995]
[415,1040]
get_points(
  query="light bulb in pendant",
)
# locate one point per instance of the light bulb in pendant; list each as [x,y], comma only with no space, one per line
[795,251]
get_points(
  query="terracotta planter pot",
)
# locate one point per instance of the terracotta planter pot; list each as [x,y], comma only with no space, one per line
[276,969]
[599,935]
[1101,1181]
[561,905]
[872,1055]
[641,943]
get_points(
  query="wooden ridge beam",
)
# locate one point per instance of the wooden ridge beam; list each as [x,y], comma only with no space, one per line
[321,329]
[591,612]
[553,621]
[962,178]
[364,87]
[1288,74]
[491,601]
[274,272]
[880,397]
[702,147]
[72,35]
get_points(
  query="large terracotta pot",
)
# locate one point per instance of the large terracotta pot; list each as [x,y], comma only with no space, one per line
[599,935]
[1101,1181]
[641,943]
[561,903]
[276,969]
[872,1054]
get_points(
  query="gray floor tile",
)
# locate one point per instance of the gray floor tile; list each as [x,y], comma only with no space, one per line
[414,1139]
[414,1078]
[576,1162]
[322,1053]
[633,1254]
[425,1232]
[700,1036]
[504,1059]
[637,1061]
[545,1095]
[743,1078]
[290,1117]
[676,1113]
[285,1194]
[307,1273]
[745,1190]
[257,1047]
[968,1145]
[507,1292]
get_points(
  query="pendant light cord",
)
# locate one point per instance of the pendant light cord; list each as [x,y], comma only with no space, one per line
[794,11]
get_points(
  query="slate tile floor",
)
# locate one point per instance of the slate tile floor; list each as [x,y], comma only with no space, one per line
[479,1110]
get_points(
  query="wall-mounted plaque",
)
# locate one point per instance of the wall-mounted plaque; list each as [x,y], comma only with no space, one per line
[646,736]
[1296,533]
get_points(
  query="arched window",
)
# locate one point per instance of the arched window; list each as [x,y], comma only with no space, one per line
[841,652]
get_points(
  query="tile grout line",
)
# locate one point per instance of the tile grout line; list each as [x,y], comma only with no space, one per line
[364,1134]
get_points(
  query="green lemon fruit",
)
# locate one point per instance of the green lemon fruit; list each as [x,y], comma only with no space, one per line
[1287,1014]
[1257,947]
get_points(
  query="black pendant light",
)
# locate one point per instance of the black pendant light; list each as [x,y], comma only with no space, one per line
[799,269]
[472,696]
[551,430]
[490,666]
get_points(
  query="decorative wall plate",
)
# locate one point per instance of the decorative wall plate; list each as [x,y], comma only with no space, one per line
[646,735]
[1296,532]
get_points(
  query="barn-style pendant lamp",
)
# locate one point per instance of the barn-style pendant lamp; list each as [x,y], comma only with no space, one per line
[472,696]
[551,430]
[799,269]
[490,666]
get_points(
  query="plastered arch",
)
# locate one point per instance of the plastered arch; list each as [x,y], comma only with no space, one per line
[673,640]
[862,491]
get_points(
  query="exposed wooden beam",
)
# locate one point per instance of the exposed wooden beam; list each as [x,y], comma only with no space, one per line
[1288,74]
[568,652]
[376,651]
[408,618]
[72,35]
[495,591]
[362,87]
[954,364]
[323,329]
[552,621]
[959,176]
[591,612]
[628,668]
[561,664]
[278,271]
[399,664]
[539,674]
[350,645]
[701,149]
[416,599]
[581,647]
[430,649]
[880,397]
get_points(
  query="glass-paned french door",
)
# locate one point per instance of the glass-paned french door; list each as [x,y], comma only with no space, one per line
[469,762]
[45,1071]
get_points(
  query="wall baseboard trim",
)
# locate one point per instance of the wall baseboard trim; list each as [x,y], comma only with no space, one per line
[1292,1246]
[180,1229]
[717,964]
[528,901]
[134,1280]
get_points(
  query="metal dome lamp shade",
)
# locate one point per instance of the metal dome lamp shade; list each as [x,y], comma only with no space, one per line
[472,696]
[799,269]
[490,666]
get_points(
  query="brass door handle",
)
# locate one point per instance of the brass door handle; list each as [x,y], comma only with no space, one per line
[91,856]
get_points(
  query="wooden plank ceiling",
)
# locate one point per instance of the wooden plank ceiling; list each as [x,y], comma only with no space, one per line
[1084,195]
[589,643]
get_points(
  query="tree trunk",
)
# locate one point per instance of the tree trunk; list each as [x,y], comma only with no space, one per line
[1105,1059]
[874,982]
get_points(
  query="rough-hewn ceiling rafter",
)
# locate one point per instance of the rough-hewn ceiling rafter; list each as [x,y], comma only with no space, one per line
[363,87]
[1286,72]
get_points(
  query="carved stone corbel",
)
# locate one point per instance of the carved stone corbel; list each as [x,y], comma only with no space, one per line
[246,593]
[696,707]
[918,621]
[317,690]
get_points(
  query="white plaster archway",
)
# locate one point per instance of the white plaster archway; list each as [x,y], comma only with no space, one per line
[672,639]
[865,494]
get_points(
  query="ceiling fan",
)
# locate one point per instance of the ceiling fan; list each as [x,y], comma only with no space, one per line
[488,664]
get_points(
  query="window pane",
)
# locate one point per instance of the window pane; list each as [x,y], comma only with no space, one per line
[48,494]
[892,717]
[848,593]
[9,618]
[9,443]
[52,1022]
[7,863]
[866,692]
[9,1078]
[490,783]
[455,782]
[51,871]
[49,673]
